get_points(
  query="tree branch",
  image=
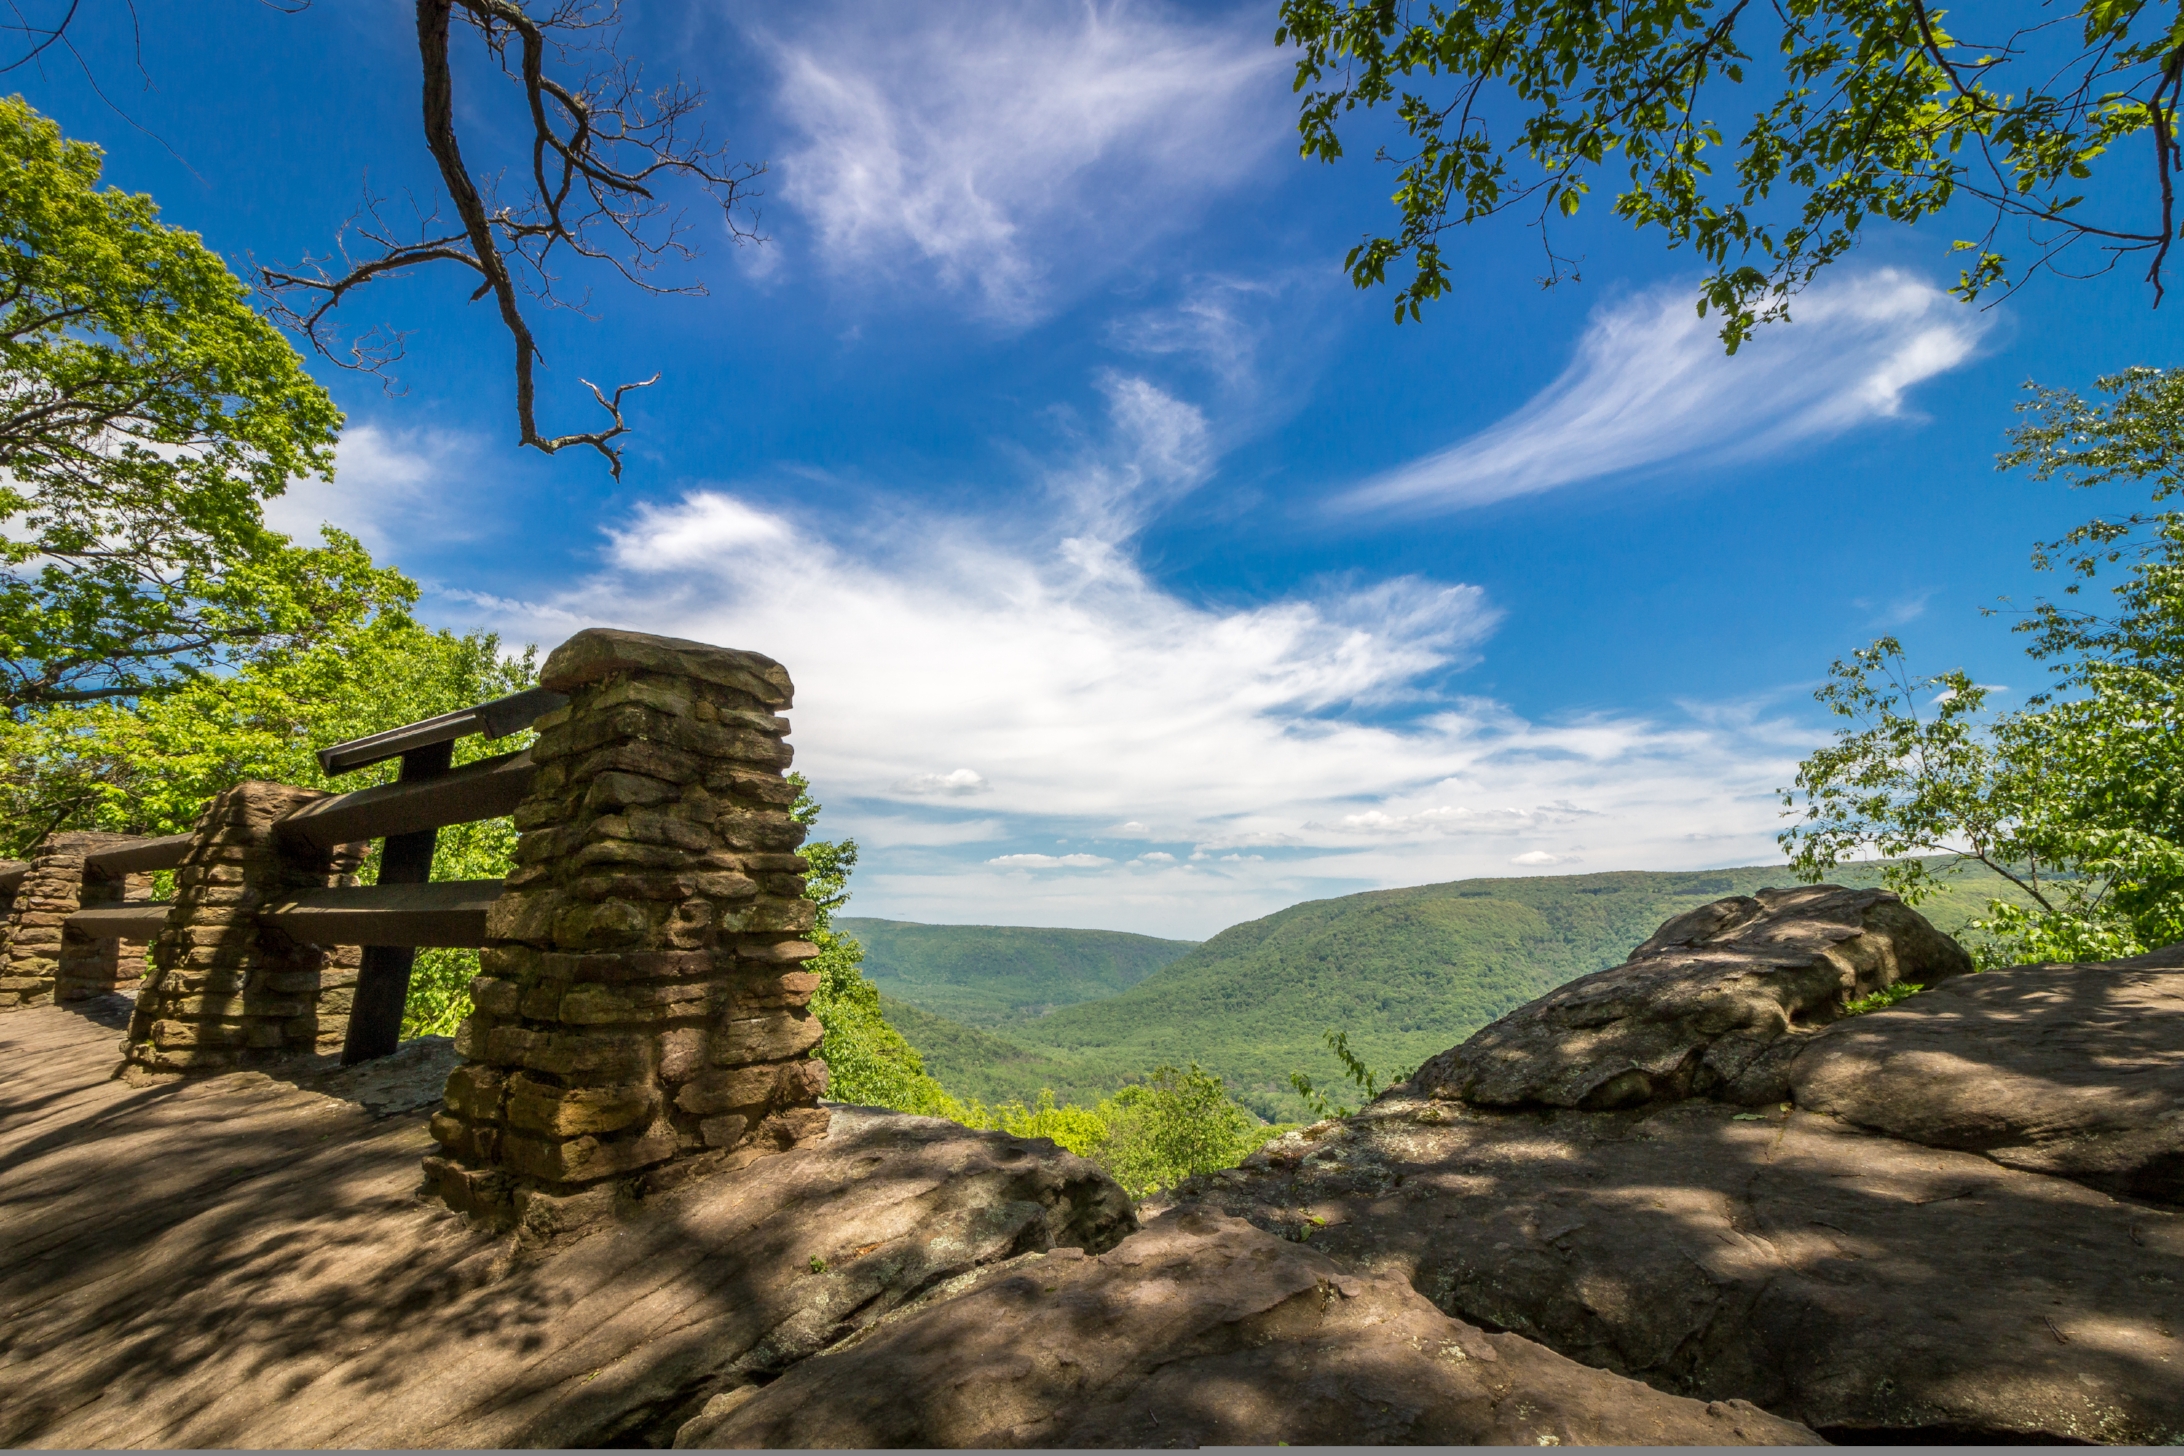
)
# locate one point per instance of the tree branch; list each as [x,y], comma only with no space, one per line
[598,147]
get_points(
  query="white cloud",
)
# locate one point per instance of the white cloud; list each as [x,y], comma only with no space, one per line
[887,831]
[1650,385]
[1157,451]
[706,529]
[389,487]
[1304,746]
[1456,819]
[1018,150]
[961,781]
[1208,326]
[1904,609]
[1538,858]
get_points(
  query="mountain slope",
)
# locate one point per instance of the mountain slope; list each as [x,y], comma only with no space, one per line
[993,975]
[1406,973]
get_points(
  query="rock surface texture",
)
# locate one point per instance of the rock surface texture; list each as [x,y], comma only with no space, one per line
[1203,1331]
[2075,1070]
[1710,1006]
[239,1261]
[643,1007]
[1959,1222]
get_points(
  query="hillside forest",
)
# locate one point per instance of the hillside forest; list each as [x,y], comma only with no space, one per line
[163,642]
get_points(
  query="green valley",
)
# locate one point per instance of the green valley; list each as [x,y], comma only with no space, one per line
[1405,972]
[993,975]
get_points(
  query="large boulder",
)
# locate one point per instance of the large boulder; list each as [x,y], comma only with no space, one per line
[1868,1287]
[2075,1070]
[1203,1331]
[1710,1006]
[1947,1224]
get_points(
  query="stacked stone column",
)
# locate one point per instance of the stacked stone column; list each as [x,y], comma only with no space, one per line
[224,991]
[642,1016]
[52,890]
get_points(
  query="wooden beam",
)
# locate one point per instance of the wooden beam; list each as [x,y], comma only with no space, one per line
[141,858]
[496,719]
[135,920]
[450,912]
[486,789]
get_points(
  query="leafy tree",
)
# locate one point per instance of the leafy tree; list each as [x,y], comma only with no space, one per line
[1175,1123]
[145,412]
[1085,1131]
[1861,110]
[2079,797]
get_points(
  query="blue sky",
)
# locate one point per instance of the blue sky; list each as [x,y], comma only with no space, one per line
[1135,571]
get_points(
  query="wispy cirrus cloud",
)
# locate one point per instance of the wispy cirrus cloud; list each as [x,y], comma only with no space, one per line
[1024,726]
[1651,385]
[390,484]
[954,784]
[1018,150]
[1144,761]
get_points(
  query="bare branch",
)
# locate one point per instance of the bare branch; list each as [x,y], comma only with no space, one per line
[600,147]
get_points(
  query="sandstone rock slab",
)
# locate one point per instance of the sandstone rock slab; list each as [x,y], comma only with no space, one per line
[1201,1330]
[1700,1008]
[1866,1286]
[242,1261]
[2075,1070]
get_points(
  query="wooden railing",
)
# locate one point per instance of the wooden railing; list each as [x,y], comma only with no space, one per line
[401,913]
[643,1013]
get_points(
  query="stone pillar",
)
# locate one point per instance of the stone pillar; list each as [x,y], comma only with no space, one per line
[11,880]
[90,966]
[223,991]
[642,1017]
[52,890]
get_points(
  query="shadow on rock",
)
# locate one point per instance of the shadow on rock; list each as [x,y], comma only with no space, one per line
[1202,1330]
[1885,1248]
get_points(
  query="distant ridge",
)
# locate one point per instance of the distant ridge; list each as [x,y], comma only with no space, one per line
[1407,972]
[995,975]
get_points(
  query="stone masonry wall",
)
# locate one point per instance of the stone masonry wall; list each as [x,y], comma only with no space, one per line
[51,891]
[223,991]
[642,1012]
[8,890]
[92,967]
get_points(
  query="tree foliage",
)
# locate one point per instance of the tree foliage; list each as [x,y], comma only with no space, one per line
[1368,1082]
[2079,796]
[145,413]
[1173,1124]
[1859,110]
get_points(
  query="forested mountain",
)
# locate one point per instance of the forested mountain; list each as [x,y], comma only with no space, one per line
[1405,972]
[992,975]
